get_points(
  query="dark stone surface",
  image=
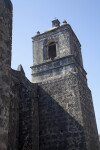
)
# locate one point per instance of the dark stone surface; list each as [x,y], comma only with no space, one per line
[66,114]
[23,124]
[60,118]
[5,70]
[8,4]
[89,122]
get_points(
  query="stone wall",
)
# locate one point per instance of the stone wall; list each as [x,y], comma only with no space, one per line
[60,116]
[5,69]
[66,114]
[53,69]
[23,123]
[89,121]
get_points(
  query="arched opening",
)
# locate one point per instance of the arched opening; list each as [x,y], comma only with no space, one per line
[52,50]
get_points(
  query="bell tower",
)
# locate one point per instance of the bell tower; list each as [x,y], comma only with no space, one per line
[52,51]
[66,113]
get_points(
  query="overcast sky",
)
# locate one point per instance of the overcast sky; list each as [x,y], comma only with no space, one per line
[29,16]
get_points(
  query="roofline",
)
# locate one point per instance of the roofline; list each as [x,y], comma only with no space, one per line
[55,29]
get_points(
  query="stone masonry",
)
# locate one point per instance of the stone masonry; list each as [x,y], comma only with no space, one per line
[55,111]
[66,113]
[5,69]
[23,118]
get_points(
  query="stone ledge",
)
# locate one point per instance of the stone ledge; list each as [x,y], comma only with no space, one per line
[61,63]
[49,61]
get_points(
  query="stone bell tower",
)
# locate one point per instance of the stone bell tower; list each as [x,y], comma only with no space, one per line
[52,50]
[66,113]
[5,68]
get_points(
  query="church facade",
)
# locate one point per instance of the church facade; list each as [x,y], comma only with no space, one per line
[55,111]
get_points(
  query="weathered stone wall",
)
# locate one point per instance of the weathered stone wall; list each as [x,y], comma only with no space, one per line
[53,69]
[23,123]
[60,116]
[76,48]
[66,114]
[5,69]
[89,122]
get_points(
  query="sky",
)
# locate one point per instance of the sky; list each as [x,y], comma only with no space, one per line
[30,16]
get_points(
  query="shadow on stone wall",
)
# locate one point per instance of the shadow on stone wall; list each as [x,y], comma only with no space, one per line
[23,121]
[58,130]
